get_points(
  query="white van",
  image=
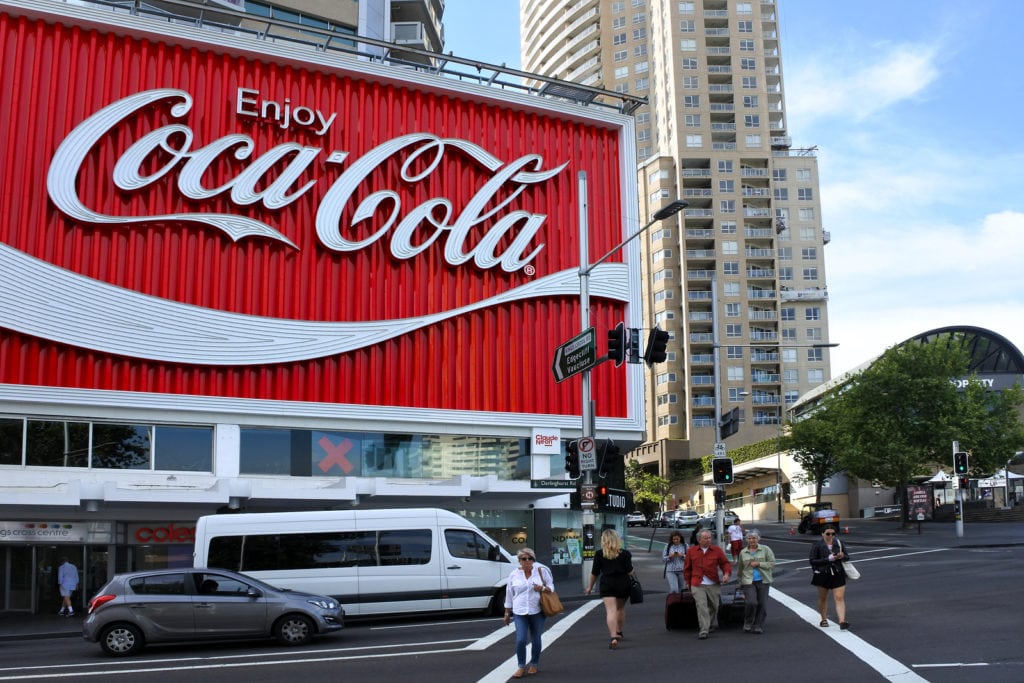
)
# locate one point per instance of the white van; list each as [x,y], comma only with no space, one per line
[372,561]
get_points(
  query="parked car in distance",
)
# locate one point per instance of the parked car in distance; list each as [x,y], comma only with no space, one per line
[636,518]
[665,519]
[728,516]
[814,517]
[184,604]
[685,519]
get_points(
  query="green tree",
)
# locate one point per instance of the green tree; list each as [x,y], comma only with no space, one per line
[649,490]
[990,426]
[815,443]
[902,413]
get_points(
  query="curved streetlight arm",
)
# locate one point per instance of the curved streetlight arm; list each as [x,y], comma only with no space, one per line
[661,214]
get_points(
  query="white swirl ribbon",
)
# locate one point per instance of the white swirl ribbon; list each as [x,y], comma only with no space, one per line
[40,299]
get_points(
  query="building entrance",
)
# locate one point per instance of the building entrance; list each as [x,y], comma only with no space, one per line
[28,576]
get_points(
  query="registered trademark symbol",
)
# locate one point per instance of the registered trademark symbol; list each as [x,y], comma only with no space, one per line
[530,270]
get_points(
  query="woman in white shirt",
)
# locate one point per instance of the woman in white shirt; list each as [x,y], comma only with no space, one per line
[522,605]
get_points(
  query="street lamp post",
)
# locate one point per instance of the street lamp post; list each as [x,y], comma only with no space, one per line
[667,211]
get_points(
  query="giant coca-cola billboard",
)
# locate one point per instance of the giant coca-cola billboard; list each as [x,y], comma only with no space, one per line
[197,218]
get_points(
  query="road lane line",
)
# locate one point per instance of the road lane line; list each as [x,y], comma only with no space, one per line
[504,671]
[889,668]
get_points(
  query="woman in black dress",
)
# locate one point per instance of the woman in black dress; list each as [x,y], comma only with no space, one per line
[828,575]
[615,567]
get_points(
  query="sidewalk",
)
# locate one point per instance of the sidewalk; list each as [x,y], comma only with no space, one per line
[20,626]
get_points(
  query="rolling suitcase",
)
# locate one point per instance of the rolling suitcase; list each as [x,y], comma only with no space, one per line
[680,611]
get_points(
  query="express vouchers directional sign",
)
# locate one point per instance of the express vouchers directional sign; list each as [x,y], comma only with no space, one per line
[575,356]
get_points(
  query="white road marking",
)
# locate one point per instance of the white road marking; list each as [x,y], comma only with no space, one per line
[504,671]
[889,668]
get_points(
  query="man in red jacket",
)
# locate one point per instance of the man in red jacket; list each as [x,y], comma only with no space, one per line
[705,569]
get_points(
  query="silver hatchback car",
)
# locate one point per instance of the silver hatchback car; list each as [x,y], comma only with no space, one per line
[196,604]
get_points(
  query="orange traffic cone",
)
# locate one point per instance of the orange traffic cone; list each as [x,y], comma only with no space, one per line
[792,530]
[846,529]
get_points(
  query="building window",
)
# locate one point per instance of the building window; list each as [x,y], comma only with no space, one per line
[642,119]
[691,120]
[639,18]
[780,194]
[815,355]
[805,214]
[745,26]
[663,318]
[785,253]
[641,84]
[641,67]
[664,274]
[618,7]
[619,39]
[815,376]
[753,141]
[814,334]
[749,82]
[752,121]
[785,273]
[737,394]
[728,227]
[667,399]
[667,420]
[730,247]
[730,268]
[691,82]
[789,334]
[687,26]
[808,234]
[620,55]
[746,45]
[805,194]
[810,274]
[686,7]
[734,352]
[748,64]
[694,141]
[639,34]
[688,45]
[803,174]
[621,88]
[732,310]
[812,313]
[787,314]
[661,254]
[734,330]
[727,206]
[690,64]
[744,8]
[790,376]
[726,185]
[725,166]
[751,101]
[779,175]
[734,373]
[619,22]
[666,377]
[622,72]
[691,101]
[640,50]
[663,295]
[731,288]
[809,254]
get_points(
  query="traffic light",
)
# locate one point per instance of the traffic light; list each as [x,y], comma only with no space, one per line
[965,482]
[729,425]
[721,470]
[609,458]
[572,460]
[960,463]
[617,344]
[719,497]
[602,497]
[634,347]
[655,352]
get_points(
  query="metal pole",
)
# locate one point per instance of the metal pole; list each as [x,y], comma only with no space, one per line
[719,509]
[586,405]
[959,512]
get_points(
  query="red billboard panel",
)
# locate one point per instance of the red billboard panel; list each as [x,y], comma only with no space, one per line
[186,218]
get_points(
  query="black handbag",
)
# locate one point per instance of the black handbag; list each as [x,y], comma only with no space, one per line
[636,592]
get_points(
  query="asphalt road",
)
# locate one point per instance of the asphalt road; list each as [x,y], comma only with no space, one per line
[920,613]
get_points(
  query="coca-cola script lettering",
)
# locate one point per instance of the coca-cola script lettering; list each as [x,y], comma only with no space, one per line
[411,230]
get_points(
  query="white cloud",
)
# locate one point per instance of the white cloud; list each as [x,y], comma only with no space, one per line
[843,85]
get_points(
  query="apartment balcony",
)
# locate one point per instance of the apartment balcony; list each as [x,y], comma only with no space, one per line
[700,274]
[699,234]
[723,127]
[758,233]
[782,141]
[720,69]
[771,357]
[761,273]
[812,294]
[765,400]
[700,253]
[722,107]
[716,32]
[757,314]
[697,193]
[757,212]
[756,192]
[698,295]
[826,236]
[759,253]
[703,401]
[748,172]
[702,359]
[699,213]
[764,378]
[723,146]
[760,294]
[701,317]
[719,51]
[702,338]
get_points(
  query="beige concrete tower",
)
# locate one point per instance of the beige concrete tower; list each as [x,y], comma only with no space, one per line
[738,279]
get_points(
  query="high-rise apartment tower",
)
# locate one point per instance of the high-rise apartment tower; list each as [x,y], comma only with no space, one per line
[738,278]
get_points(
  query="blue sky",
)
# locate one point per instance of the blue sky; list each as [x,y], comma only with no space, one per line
[910,108]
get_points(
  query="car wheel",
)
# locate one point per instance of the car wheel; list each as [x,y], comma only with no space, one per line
[802,528]
[121,640]
[496,607]
[294,629]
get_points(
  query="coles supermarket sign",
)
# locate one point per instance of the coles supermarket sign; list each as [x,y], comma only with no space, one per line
[186,217]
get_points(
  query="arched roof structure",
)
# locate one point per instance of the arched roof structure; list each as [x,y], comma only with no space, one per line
[990,353]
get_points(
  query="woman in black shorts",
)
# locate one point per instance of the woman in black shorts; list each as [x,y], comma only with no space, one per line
[615,567]
[826,560]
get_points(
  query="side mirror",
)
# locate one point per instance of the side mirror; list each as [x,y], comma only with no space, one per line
[254,592]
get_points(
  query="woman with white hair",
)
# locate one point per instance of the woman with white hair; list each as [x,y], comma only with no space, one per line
[755,576]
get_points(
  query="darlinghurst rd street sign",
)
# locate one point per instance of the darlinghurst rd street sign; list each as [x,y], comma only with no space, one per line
[575,356]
